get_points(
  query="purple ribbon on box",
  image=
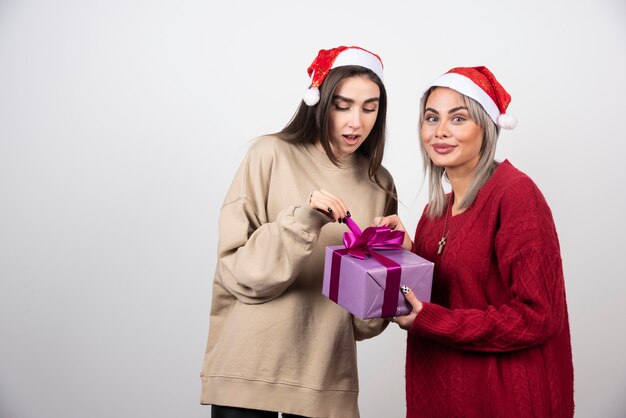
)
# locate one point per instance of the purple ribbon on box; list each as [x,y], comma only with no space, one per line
[359,244]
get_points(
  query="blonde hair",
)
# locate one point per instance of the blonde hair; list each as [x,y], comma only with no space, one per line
[437,201]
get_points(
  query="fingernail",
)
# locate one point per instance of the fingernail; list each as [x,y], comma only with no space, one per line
[339,220]
[330,210]
[348,214]
[405,289]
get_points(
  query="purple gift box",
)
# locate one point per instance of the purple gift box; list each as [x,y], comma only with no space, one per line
[369,288]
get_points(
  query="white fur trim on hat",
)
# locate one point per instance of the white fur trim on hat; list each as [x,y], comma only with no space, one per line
[356,56]
[467,87]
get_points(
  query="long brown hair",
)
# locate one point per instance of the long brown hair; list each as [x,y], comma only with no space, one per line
[312,122]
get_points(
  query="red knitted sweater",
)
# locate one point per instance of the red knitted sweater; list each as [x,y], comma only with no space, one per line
[495,339]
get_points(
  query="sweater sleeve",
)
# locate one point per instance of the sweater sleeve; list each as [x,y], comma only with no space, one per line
[527,249]
[258,257]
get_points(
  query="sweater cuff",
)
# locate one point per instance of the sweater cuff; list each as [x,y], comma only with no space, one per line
[310,219]
[428,320]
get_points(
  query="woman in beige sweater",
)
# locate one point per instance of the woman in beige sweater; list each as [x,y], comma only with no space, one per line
[275,343]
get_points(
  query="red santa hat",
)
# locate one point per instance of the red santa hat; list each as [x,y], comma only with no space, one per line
[481,85]
[328,59]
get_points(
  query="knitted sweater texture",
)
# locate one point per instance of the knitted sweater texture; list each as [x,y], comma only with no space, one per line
[495,339]
[275,342]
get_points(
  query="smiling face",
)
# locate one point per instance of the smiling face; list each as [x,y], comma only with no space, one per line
[450,137]
[353,114]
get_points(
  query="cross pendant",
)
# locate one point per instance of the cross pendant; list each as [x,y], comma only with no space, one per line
[441,244]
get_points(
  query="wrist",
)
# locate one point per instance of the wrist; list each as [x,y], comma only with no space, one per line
[419,307]
[407,244]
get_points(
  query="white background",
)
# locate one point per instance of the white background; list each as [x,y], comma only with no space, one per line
[121,126]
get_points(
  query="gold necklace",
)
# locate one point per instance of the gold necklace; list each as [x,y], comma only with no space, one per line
[444,233]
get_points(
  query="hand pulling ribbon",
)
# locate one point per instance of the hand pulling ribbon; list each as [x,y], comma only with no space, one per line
[358,244]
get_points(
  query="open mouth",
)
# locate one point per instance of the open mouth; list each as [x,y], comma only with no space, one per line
[352,139]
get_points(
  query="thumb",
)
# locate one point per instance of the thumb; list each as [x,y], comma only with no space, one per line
[411,298]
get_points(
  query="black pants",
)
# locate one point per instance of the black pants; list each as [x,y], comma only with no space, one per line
[218,411]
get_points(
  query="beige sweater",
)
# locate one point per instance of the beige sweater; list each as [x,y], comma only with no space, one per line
[275,342]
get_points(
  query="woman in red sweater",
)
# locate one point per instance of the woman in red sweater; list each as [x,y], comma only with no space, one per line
[494,341]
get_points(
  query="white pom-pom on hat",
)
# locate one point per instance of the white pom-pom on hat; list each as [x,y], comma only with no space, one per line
[311,96]
[506,121]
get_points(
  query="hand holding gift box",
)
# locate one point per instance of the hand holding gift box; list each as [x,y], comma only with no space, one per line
[364,275]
